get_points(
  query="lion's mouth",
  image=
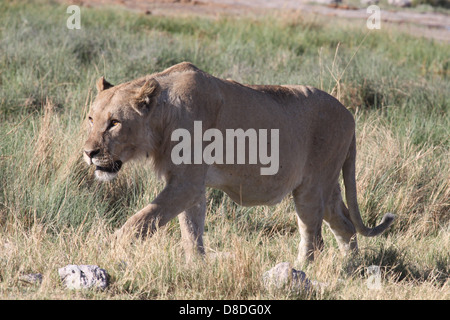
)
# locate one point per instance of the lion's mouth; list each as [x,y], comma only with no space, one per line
[114,168]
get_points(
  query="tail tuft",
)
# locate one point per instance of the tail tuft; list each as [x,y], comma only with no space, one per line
[387,220]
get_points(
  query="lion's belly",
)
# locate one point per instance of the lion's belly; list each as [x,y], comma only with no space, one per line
[249,199]
[249,189]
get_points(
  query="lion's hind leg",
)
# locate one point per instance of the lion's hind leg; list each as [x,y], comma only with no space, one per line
[338,219]
[310,209]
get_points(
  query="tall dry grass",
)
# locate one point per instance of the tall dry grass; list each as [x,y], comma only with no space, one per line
[408,173]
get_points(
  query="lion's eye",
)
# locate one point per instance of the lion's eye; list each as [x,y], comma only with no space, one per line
[91,121]
[114,123]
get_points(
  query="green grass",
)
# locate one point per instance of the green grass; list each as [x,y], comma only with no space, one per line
[52,211]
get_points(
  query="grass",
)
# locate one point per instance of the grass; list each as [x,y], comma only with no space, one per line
[52,211]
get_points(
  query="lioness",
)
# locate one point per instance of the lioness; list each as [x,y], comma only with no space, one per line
[316,141]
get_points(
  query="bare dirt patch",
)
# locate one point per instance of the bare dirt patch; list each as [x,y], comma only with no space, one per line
[427,24]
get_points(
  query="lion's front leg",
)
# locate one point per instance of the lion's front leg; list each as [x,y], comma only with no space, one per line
[174,199]
[192,223]
[143,223]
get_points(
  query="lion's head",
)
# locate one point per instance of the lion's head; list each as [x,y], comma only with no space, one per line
[118,125]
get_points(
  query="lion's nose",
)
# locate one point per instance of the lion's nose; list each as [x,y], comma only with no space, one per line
[92,153]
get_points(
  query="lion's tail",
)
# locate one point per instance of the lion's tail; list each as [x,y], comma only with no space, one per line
[348,171]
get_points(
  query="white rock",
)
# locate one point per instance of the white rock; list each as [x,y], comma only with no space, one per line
[284,277]
[77,277]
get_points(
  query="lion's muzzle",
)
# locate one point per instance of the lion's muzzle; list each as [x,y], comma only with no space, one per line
[91,153]
[106,171]
[113,168]
[105,168]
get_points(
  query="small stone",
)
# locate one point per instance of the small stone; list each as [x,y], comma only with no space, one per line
[283,276]
[31,278]
[300,282]
[78,277]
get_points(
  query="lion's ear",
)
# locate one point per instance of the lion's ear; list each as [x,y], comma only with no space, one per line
[147,95]
[102,84]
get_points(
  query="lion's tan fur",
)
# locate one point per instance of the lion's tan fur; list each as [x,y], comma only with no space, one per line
[317,141]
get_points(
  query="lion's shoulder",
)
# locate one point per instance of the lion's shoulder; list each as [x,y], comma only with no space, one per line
[179,68]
